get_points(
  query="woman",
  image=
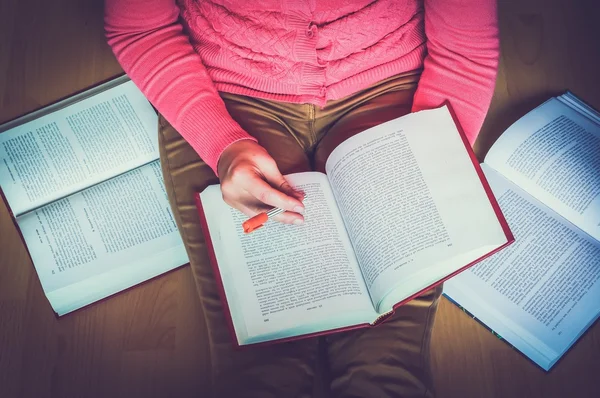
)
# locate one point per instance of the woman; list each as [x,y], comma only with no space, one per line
[250,90]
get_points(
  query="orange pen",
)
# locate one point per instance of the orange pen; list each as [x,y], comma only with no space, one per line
[260,219]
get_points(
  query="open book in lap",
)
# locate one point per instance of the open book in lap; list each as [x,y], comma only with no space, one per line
[543,292]
[402,207]
[84,183]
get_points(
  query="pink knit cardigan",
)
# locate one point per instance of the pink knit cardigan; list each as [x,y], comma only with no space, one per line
[308,51]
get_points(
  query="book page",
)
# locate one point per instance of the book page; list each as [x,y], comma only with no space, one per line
[288,280]
[553,153]
[78,146]
[413,204]
[542,292]
[125,222]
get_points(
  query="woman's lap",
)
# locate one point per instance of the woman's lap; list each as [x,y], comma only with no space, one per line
[272,371]
[389,360]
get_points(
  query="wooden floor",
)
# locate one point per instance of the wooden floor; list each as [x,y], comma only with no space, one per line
[147,342]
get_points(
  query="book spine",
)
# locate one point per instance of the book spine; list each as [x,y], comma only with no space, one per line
[382,318]
[496,334]
[474,318]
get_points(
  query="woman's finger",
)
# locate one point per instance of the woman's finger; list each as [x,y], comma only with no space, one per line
[251,207]
[276,179]
[289,217]
[266,194]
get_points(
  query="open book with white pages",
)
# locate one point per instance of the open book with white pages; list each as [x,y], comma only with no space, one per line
[83,181]
[402,207]
[542,293]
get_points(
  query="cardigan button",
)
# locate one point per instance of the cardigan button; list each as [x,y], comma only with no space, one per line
[310,32]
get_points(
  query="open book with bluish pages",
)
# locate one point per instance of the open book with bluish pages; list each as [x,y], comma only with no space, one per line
[83,181]
[542,293]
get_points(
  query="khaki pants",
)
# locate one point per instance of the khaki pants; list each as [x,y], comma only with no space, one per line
[390,360]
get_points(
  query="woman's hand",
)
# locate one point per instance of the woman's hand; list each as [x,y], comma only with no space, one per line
[251,182]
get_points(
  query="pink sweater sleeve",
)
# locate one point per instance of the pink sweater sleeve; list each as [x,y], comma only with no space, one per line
[462,60]
[150,44]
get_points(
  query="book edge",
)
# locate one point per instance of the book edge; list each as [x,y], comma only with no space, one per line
[498,336]
[215,267]
[64,102]
[484,182]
